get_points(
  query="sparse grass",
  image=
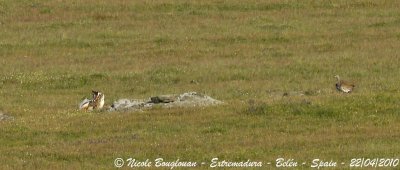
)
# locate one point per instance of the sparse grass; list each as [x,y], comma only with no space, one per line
[247,54]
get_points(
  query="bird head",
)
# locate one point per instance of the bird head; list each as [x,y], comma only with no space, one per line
[95,94]
[337,77]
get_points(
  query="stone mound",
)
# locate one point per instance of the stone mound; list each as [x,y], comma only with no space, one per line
[189,99]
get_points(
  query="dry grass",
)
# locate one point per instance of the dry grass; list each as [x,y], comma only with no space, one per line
[246,54]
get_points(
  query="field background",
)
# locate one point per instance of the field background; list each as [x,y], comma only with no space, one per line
[245,53]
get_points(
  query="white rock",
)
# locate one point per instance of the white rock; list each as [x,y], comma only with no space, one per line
[189,99]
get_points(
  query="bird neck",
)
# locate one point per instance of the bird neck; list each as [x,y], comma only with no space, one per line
[338,79]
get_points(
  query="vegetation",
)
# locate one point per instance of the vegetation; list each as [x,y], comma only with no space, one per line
[271,62]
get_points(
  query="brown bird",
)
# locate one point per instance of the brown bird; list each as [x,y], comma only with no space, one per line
[96,103]
[344,86]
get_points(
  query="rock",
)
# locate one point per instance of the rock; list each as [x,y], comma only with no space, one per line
[189,99]
[163,99]
[126,104]
[4,117]
[192,99]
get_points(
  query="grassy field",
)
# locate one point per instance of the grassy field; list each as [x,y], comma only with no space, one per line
[245,53]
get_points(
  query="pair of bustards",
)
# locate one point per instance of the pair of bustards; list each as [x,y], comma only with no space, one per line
[98,98]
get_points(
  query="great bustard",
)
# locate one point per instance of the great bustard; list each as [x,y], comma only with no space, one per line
[344,86]
[95,104]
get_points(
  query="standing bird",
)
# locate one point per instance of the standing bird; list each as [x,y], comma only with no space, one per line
[344,86]
[96,103]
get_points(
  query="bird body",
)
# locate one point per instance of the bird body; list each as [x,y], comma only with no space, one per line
[344,86]
[84,105]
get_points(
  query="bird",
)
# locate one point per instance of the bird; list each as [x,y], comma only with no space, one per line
[344,86]
[96,103]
